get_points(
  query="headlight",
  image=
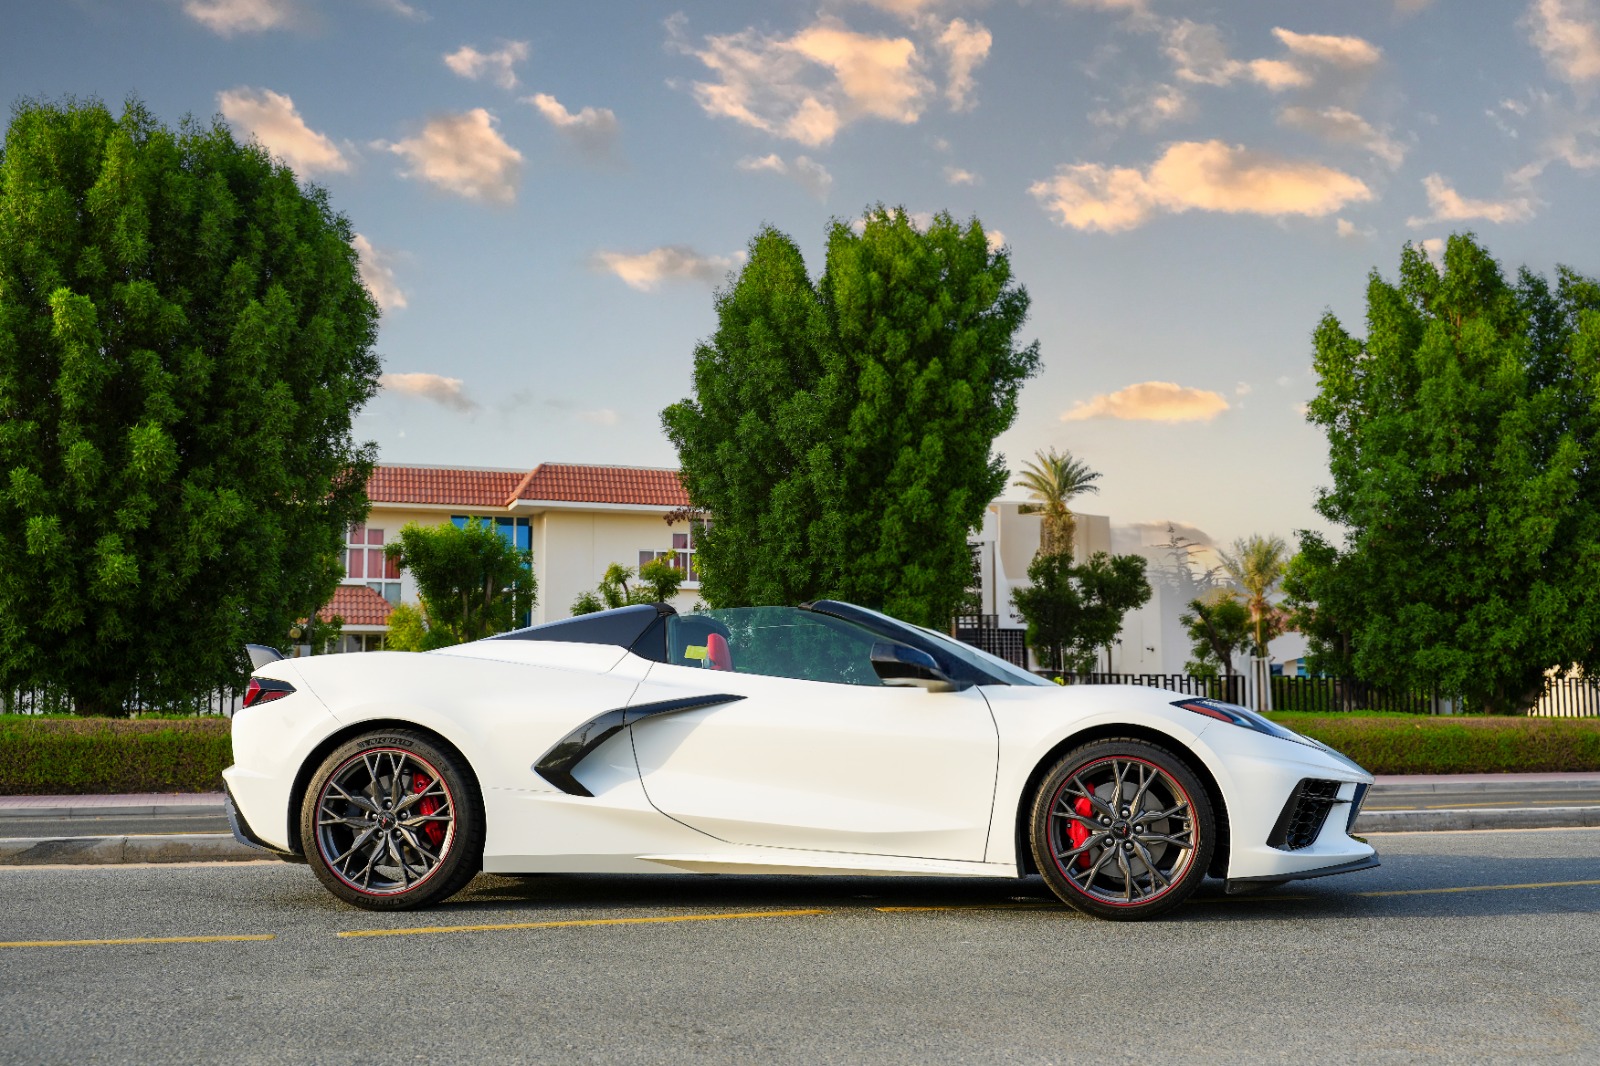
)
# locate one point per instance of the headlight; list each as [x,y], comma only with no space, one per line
[1244,717]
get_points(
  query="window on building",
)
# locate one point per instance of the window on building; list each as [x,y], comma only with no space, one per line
[682,555]
[366,564]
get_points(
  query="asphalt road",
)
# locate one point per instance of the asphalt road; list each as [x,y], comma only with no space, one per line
[1462,947]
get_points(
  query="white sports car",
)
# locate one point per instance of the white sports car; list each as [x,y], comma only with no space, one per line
[823,739]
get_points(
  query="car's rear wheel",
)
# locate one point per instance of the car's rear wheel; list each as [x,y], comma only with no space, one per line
[1122,829]
[392,821]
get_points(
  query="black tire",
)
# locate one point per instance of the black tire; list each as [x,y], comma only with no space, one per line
[1118,860]
[393,821]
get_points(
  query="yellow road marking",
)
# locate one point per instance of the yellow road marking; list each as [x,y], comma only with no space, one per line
[579,922]
[1041,905]
[1501,804]
[1478,888]
[134,940]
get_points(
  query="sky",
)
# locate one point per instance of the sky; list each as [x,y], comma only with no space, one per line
[546,195]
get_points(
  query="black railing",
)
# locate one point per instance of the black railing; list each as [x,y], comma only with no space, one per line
[1325,695]
[1232,689]
[223,701]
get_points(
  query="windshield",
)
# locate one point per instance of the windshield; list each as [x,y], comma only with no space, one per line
[976,656]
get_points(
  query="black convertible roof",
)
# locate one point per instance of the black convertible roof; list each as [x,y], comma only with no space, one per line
[622,626]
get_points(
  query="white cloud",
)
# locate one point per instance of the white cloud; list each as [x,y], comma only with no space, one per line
[1450,206]
[446,392]
[272,119]
[403,9]
[497,66]
[1567,32]
[1433,248]
[995,239]
[806,172]
[229,17]
[604,416]
[965,47]
[1243,388]
[593,130]
[1351,53]
[377,274]
[1147,107]
[1152,401]
[957,176]
[646,270]
[809,86]
[1341,126]
[1195,175]
[1349,231]
[463,154]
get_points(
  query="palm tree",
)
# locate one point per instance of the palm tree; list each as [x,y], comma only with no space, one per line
[1256,565]
[1053,481]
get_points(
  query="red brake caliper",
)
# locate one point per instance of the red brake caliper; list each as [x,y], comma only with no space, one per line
[434,831]
[1077,832]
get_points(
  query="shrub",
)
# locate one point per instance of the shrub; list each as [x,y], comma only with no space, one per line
[79,756]
[1414,744]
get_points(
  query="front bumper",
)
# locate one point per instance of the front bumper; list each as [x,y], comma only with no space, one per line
[1290,807]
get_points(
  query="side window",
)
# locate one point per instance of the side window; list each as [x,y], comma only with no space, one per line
[774,642]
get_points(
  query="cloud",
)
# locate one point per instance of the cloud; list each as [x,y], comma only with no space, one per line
[472,64]
[604,416]
[1195,175]
[995,239]
[957,176]
[377,274]
[675,262]
[965,47]
[593,130]
[229,17]
[1152,401]
[403,9]
[446,392]
[809,86]
[272,120]
[1348,230]
[1350,53]
[463,154]
[1567,32]
[1243,388]
[1450,206]
[809,174]
[1340,126]
[1147,107]
[1433,248]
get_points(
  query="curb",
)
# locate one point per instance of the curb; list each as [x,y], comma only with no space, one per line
[1478,818]
[107,851]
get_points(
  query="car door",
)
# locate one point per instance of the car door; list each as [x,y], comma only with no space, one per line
[831,760]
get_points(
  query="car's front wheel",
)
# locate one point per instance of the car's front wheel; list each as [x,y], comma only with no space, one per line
[1122,829]
[392,821]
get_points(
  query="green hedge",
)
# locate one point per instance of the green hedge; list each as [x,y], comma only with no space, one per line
[1410,744]
[67,756]
[76,756]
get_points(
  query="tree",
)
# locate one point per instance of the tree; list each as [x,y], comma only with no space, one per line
[1463,435]
[841,433]
[1053,480]
[184,341]
[1074,611]
[1328,645]
[1218,625]
[1256,565]
[661,581]
[472,581]
[408,630]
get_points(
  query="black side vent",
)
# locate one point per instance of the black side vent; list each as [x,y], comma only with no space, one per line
[1304,815]
[1355,807]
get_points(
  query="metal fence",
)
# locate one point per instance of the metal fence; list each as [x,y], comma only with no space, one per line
[1232,689]
[1330,694]
[222,701]
[1568,697]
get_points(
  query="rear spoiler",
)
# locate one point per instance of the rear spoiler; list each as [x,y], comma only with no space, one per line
[261,655]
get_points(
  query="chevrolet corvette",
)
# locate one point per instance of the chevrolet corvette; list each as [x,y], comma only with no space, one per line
[820,739]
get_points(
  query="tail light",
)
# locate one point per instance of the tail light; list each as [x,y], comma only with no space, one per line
[265,690]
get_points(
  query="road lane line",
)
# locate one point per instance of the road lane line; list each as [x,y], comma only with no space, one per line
[135,940]
[975,907]
[578,922]
[1478,888]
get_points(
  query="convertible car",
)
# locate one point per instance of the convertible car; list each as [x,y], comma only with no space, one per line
[820,739]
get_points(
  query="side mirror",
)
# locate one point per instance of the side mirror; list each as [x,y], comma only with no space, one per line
[901,667]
